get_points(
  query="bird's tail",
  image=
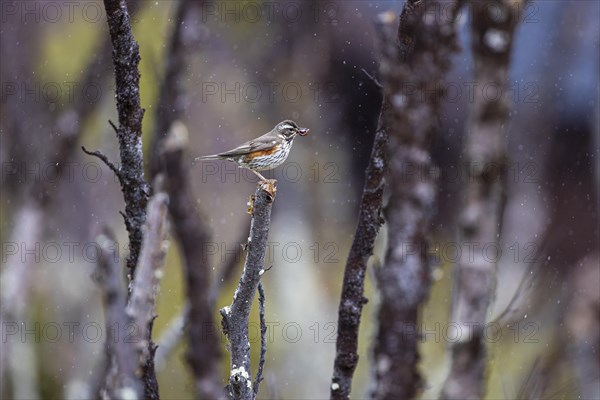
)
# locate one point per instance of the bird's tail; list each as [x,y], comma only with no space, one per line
[211,157]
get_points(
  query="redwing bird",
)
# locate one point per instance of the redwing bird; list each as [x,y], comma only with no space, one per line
[266,152]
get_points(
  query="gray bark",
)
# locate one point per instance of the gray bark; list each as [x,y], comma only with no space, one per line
[481,217]
[418,58]
[235,317]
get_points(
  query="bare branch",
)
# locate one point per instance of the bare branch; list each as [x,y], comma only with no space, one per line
[15,285]
[126,58]
[121,380]
[30,219]
[135,190]
[263,338]
[144,287]
[235,317]
[352,300]
[416,55]
[183,43]
[481,217]
[167,153]
[203,353]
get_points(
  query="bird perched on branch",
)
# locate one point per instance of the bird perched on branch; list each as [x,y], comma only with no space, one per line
[265,152]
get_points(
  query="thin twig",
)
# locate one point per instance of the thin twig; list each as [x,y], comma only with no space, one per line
[527,280]
[372,78]
[112,124]
[167,155]
[104,159]
[235,317]
[263,338]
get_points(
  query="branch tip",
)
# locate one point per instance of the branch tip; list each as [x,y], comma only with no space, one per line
[372,78]
[104,159]
[113,126]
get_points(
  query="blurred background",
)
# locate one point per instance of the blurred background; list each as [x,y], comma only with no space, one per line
[256,63]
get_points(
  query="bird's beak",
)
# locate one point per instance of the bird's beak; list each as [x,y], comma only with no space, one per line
[303,131]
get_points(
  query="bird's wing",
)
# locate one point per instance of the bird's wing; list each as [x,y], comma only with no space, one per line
[251,146]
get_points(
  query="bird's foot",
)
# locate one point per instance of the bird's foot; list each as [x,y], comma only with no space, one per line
[269,186]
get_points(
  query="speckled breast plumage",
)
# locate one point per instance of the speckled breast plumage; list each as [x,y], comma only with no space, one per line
[264,160]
